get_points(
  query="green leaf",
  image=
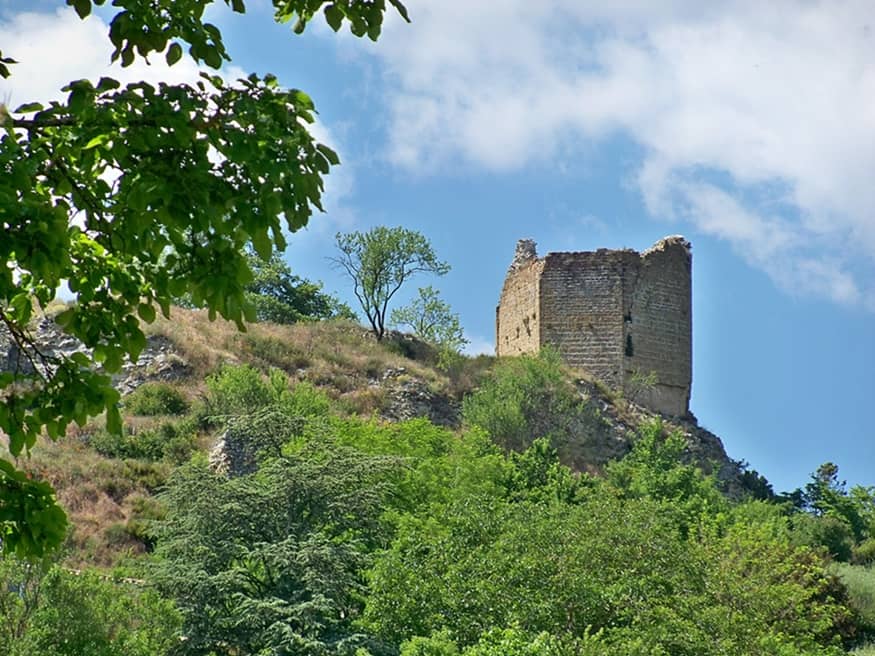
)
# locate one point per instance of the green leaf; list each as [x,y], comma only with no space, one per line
[113,420]
[113,362]
[238,6]
[329,154]
[334,17]
[401,9]
[81,359]
[261,242]
[64,318]
[212,58]
[107,84]
[174,53]
[82,7]
[146,312]
[29,107]
[304,100]
[99,140]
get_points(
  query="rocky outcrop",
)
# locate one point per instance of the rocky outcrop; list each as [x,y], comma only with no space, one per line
[617,434]
[248,439]
[158,361]
[408,397]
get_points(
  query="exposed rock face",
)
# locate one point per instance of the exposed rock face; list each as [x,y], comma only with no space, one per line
[599,436]
[615,438]
[247,439]
[158,361]
[409,398]
[50,340]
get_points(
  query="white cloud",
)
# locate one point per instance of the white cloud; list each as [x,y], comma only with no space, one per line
[478,345]
[54,48]
[774,100]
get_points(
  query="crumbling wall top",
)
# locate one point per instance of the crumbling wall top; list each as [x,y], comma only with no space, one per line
[526,253]
[666,243]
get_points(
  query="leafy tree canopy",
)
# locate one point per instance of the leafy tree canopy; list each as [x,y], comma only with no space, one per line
[136,195]
[282,297]
[48,610]
[270,562]
[379,262]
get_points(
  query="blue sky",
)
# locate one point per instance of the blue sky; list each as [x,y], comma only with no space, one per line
[746,128]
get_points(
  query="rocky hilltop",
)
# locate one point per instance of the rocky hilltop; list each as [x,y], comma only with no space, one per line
[394,380]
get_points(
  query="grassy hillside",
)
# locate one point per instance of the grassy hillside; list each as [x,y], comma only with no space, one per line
[107,484]
[296,473]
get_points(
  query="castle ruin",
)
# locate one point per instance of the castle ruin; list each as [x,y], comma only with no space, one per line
[623,316]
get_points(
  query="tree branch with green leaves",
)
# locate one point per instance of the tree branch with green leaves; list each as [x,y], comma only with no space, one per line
[135,195]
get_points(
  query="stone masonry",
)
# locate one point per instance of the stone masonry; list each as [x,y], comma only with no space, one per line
[623,316]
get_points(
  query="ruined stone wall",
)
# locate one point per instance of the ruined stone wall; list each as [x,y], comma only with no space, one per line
[623,316]
[517,326]
[659,328]
[581,310]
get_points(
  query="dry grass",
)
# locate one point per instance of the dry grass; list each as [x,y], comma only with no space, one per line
[107,498]
[340,357]
[100,495]
[860,582]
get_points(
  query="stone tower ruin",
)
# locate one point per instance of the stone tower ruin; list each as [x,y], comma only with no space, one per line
[623,316]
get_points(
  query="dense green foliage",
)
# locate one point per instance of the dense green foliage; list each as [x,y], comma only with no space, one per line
[430,542]
[379,262]
[170,440]
[829,515]
[151,399]
[281,297]
[270,562]
[353,537]
[136,195]
[50,611]
[528,397]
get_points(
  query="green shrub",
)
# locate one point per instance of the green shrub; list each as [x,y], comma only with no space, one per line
[116,534]
[439,644]
[828,532]
[860,582]
[305,400]
[151,399]
[164,441]
[240,390]
[528,397]
[145,511]
[514,642]
[864,553]
[151,476]
[53,612]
